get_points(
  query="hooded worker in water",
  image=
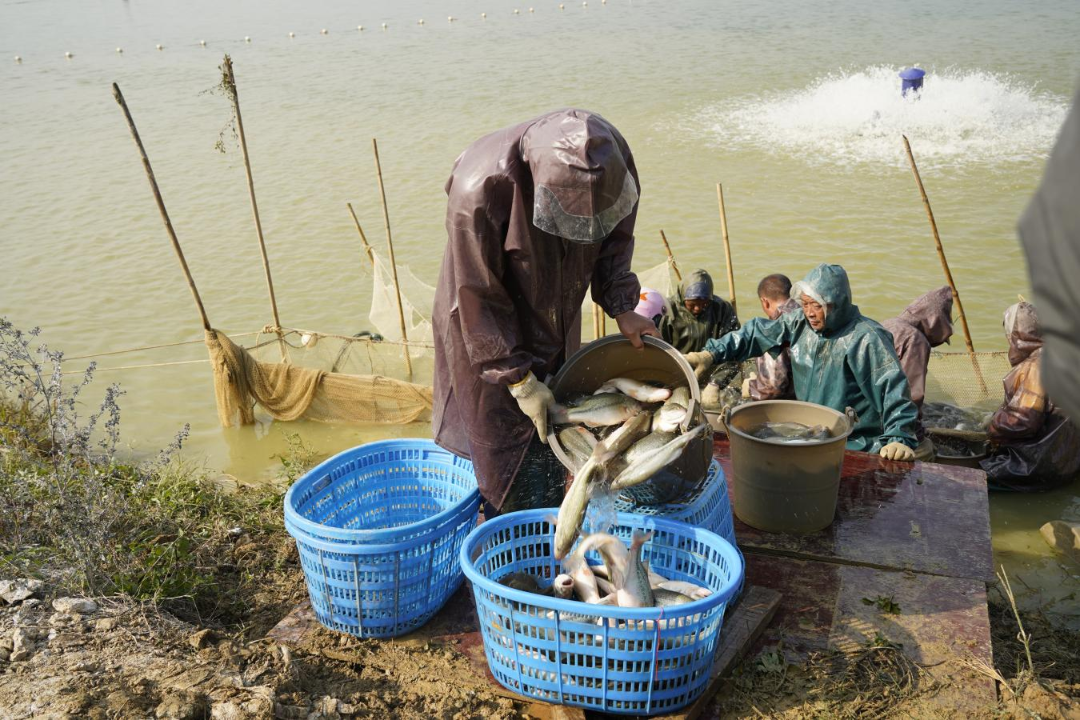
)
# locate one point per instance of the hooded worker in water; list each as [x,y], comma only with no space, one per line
[1036,446]
[925,324]
[839,359]
[537,213]
[695,315]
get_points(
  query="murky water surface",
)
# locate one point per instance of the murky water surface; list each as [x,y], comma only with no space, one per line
[793,106]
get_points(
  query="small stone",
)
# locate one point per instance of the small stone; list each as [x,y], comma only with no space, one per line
[4,655]
[6,643]
[105,624]
[290,712]
[182,705]
[15,591]
[31,603]
[62,619]
[84,606]
[226,710]
[201,639]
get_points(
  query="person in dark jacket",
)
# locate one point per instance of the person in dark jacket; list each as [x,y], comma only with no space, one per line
[924,324]
[536,214]
[839,359]
[695,315]
[1037,447]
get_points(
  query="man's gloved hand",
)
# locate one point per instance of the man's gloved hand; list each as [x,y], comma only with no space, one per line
[897,451]
[700,361]
[534,398]
[746,384]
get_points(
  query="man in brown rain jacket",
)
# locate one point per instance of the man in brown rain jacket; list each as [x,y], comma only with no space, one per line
[537,213]
[925,324]
[1037,447]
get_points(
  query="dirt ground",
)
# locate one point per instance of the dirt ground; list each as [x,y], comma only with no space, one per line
[127,660]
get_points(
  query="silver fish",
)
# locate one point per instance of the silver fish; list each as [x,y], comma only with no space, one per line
[667,598]
[690,590]
[562,587]
[635,590]
[636,389]
[572,509]
[669,417]
[585,584]
[579,444]
[652,462]
[647,445]
[681,396]
[793,432]
[597,411]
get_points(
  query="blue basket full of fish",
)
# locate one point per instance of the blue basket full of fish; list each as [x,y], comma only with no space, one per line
[379,528]
[628,623]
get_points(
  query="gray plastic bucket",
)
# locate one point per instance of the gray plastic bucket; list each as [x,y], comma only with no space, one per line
[783,487]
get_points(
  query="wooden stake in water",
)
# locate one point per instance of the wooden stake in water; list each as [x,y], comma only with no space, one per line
[727,248]
[670,257]
[390,252]
[230,88]
[363,238]
[944,263]
[161,206]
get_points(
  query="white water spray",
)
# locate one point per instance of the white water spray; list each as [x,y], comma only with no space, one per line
[959,117]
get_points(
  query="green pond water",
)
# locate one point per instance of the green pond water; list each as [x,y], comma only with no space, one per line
[794,106]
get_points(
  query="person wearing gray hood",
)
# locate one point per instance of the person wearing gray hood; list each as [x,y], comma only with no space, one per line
[925,324]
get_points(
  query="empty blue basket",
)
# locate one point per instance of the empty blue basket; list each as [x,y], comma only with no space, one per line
[617,660]
[378,529]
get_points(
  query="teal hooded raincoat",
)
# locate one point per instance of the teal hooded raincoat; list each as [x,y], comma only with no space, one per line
[850,363]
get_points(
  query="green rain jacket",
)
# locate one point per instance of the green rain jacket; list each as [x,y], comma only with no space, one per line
[850,363]
[688,333]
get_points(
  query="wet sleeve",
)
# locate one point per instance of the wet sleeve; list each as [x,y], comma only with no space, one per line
[878,373]
[914,359]
[754,339]
[1023,413]
[729,320]
[489,324]
[614,287]
[667,328]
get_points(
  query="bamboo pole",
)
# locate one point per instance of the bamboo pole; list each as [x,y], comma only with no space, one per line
[161,206]
[944,262]
[390,252]
[596,321]
[727,248]
[670,257]
[363,238]
[230,87]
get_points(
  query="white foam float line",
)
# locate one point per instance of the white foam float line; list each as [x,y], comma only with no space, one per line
[323,31]
[960,117]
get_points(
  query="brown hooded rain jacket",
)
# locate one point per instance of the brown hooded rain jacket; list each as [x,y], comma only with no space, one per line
[509,294]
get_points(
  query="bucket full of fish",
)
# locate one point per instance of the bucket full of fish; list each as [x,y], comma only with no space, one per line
[378,529]
[608,383]
[628,623]
[786,459]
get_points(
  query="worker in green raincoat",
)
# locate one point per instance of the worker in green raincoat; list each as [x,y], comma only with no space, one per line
[839,359]
[695,315]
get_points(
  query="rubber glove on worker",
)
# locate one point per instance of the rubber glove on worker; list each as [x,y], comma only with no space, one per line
[534,398]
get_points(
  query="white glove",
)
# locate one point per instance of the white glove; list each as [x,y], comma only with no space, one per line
[897,451]
[700,361]
[534,398]
[746,385]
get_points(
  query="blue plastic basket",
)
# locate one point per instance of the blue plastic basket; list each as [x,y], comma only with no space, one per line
[616,660]
[378,529]
[707,506]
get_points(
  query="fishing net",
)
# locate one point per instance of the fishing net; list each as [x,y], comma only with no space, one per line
[965,380]
[301,385]
[416,299]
